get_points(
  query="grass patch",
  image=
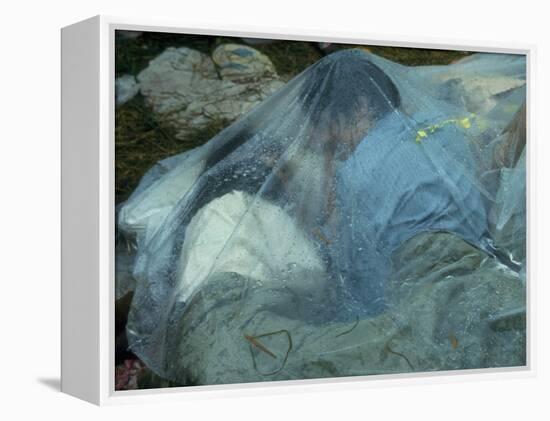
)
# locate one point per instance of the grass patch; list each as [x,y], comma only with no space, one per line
[290,57]
[143,137]
[418,56]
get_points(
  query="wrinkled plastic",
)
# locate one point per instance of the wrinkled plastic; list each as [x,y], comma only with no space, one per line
[257,248]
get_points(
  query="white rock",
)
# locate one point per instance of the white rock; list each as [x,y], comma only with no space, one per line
[240,63]
[126,87]
[184,85]
[175,78]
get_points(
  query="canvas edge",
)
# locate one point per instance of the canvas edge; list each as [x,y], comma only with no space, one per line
[107,394]
[80,336]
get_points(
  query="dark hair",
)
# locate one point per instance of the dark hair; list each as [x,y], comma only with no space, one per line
[344,82]
[338,91]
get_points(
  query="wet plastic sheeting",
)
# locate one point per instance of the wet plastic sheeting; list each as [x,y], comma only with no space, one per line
[367,218]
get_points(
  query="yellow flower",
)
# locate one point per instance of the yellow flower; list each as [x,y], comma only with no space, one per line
[420,135]
[465,123]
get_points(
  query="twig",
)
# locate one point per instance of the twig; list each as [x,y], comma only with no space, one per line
[399,355]
[349,330]
[258,345]
[253,340]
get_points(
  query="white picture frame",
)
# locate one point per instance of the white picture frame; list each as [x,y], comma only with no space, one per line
[88,104]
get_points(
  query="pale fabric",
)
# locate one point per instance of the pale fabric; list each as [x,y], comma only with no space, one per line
[146,210]
[249,236]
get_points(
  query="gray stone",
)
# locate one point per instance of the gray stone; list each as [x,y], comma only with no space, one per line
[126,87]
[183,85]
[242,64]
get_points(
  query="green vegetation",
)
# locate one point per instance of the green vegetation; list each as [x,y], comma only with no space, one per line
[143,137]
[418,56]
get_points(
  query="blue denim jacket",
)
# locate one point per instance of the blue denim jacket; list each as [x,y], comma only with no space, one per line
[395,185]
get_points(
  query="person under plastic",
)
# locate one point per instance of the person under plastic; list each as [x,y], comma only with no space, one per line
[305,200]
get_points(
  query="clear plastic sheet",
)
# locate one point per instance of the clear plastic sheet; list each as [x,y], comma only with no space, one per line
[366,218]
